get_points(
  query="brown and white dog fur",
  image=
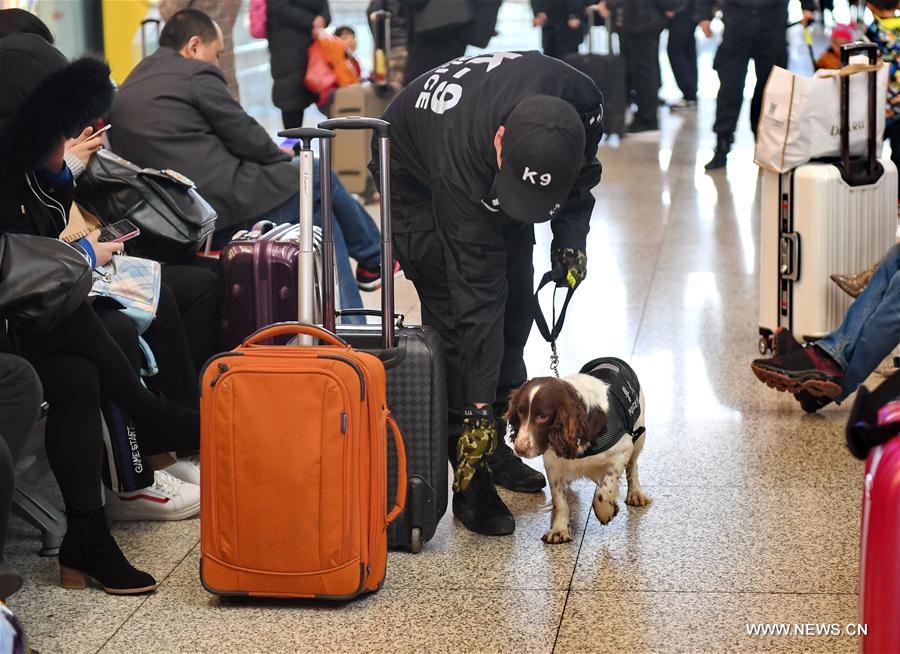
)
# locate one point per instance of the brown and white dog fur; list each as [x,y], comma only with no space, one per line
[558,418]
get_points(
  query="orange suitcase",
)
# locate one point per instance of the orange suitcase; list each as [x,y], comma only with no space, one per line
[294,459]
[293,448]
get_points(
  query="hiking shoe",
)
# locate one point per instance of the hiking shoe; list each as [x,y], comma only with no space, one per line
[369,279]
[512,473]
[808,368]
[167,499]
[186,469]
[480,508]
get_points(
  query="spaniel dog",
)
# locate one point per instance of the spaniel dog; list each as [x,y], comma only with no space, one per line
[587,425]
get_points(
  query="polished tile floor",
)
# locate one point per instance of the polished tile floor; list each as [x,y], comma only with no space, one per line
[756,506]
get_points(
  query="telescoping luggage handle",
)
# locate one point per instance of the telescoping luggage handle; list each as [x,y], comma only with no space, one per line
[306,257]
[848,50]
[382,130]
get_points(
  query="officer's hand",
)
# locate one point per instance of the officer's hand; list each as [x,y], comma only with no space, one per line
[540,20]
[568,267]
[808,17]
[574,23]
[706,29]
[478,440]
[603,9]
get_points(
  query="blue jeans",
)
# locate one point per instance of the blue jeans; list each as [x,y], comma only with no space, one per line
[871,328]
[355,234]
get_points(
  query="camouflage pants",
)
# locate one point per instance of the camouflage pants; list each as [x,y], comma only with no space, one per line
[475,443]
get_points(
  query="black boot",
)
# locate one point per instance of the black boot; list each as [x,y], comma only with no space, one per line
[720,157]
[10,581]
[511,472]
[90,551]
[480,508]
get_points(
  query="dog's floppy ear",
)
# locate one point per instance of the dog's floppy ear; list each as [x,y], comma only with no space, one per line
[570,425]
[512,410]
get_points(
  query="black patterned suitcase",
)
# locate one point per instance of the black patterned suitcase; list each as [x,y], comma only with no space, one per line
[414,360]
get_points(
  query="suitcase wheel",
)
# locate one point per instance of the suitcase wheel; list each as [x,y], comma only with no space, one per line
[415,540]
[764,345]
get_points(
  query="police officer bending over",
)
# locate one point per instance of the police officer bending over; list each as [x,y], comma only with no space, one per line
[483,147]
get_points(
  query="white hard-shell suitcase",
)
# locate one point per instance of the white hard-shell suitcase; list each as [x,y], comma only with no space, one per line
[820,219]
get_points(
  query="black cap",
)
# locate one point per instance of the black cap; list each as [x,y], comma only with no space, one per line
[543,148]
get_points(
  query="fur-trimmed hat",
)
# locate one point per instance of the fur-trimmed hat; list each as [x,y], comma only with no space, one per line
[45,98]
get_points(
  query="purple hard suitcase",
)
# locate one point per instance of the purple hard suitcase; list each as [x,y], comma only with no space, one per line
[260,271]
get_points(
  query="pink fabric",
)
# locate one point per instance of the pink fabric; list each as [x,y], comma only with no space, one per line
[258,19]
[841,34]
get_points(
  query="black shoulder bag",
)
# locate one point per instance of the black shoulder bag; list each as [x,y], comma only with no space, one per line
[173,217]
[42,280]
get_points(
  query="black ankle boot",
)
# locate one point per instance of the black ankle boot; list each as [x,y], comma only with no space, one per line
[90,551]
[480,508]
[511,472]
[720,157]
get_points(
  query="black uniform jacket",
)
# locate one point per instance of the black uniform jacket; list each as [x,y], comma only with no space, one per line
[442,141]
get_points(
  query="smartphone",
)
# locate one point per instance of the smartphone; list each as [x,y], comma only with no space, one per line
[119,232]
[288,143]
[99,131]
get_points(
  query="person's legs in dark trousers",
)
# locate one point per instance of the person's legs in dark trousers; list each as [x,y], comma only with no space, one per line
[422,258]
[563,40]
[548,41]
[731,63]
[177,377]
[682,51]
[431,51]
[10,580]
[83,334]
[509,470]
[20,402]
[75,453]
[198,292]
[119,473]
[769,49]
[642,61]
[72,435]
[292,118]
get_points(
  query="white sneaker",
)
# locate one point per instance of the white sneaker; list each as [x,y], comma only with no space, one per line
[167,499]
[186,469]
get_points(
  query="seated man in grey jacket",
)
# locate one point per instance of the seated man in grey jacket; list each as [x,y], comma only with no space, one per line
[174,111]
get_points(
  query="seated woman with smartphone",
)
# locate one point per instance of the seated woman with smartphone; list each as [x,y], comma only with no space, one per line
[81,360]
